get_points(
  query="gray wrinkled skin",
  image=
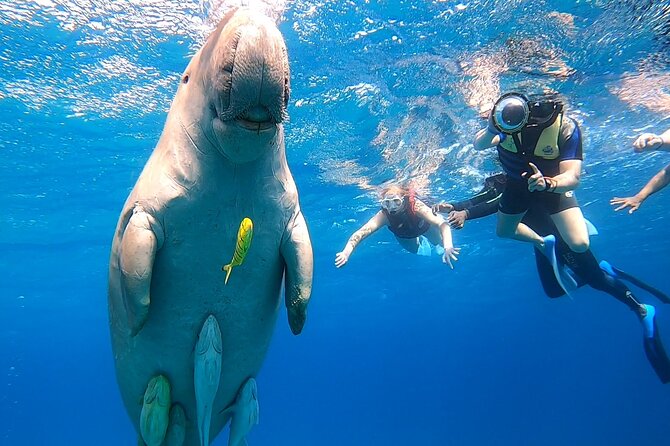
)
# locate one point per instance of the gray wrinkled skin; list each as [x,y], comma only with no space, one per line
[220,158]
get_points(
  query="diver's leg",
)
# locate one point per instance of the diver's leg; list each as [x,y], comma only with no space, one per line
[619,274]
[651,339]
[514,203]
[510,226]
[572,227]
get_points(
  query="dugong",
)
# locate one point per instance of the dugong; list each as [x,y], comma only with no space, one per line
[220,159]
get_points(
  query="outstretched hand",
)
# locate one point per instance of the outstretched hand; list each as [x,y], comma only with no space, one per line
[536,181]
[633,203]
[341,258]
[450,254]
[442,207]
[647,141]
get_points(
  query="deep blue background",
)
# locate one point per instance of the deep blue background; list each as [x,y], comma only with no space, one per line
[398,349]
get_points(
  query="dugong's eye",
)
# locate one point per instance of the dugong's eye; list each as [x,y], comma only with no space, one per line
[184,80]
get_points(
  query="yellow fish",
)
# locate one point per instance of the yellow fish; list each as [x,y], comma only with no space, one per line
[244,235]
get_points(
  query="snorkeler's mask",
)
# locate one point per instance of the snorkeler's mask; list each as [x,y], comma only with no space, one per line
[514,111]
[392,203]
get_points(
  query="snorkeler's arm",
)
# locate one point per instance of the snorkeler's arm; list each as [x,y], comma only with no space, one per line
[485,209]
[651,141]
[485,139]
[567,180]
[657,182]
[450,252]
[423,211]
[374,224]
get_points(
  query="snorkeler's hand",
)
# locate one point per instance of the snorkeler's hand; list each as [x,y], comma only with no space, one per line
[442,207]
[341,258]
[647,141]
[536,181]
[633,203]
[450,254]
[456,219]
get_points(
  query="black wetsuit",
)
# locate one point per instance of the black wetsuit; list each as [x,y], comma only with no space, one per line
[586,268]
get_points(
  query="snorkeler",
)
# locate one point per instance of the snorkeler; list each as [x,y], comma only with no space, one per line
[540,150]
[577,269]
[644,143]
[411,221]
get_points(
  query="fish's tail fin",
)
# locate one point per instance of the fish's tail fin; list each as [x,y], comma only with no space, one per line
[227,268]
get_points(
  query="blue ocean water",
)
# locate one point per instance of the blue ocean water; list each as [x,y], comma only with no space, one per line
[398,349]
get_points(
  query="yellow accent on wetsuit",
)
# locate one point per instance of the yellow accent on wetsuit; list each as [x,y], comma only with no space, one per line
[547,143]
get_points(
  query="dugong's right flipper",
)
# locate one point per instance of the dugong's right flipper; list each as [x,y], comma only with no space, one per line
[296,248]
[207,371]
[142,237]
[154,417]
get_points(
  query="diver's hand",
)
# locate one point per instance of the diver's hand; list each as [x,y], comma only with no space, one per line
[341,258]
[633,203]
[456,219]
[442,207]
[647,141]
[450,254]
[536,181]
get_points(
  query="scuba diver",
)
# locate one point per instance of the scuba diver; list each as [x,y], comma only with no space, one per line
[577,269]
[540,150]
[415,227]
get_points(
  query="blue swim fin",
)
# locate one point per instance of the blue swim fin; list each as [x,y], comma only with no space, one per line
[424,247]
[568,281]
[649,321]
[619,274]
[549,251]
[591,228]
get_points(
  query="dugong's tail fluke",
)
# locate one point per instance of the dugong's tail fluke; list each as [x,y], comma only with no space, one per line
[154,417]
[207,371]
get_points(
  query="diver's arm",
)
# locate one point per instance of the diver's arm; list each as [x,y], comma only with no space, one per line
[423,211]
[376,222]
[484,139]
[568,179]
[651,141]
[565,181]
[450,253]
[658,182]
[485,209]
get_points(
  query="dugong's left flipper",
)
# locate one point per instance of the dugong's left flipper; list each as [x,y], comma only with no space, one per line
[142,237]
[296,248]
[207,372]
[154,417]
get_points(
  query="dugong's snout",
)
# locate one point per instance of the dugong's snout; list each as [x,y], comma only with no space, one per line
[249,71]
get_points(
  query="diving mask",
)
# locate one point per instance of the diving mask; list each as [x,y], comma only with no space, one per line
[392,203]
[514,111]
